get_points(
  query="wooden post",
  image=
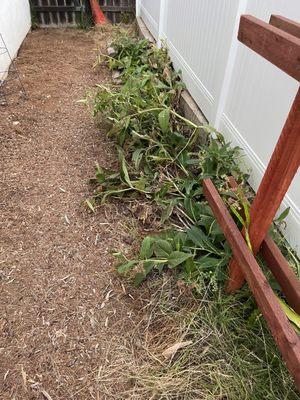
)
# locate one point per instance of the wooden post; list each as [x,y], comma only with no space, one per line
[286,25]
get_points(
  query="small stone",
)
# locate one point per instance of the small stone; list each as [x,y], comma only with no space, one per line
[111,51]
[116,74]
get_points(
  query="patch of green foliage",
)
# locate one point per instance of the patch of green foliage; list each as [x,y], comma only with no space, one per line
[163,158]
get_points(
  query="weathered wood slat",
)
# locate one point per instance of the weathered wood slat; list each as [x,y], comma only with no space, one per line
[54,9]
[286,25]
[272,44]
[282,331]
[117,8]
[283,273]
[278,176]
[288,281]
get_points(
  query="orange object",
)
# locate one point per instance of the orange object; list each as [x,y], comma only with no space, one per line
[98,16]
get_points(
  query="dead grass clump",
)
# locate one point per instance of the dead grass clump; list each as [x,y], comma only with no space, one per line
[185,348]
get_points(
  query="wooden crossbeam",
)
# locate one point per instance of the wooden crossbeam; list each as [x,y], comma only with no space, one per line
[286,338]
[117,8]
[275,45]
[54,9]
[286,25]
[288,281]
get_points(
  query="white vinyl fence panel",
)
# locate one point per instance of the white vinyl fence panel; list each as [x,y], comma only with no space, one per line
[149,10]
[15,22]
[198,35]
[240,93]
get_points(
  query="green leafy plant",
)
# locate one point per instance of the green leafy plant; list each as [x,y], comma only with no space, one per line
[163,158]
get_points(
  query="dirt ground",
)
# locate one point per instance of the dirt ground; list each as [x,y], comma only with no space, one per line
[63,310]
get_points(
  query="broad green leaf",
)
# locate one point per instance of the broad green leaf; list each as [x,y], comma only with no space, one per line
[164,120]
[162,248]
[119,255]
[166,212]
[179,240]
[148,266]
[189,265]
[139,184]
[201,240]
[100,174]
[177,257]
[146,250]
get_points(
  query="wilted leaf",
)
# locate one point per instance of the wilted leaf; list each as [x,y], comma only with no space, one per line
[137,157]
[172,350]
[90,205]
[123,169]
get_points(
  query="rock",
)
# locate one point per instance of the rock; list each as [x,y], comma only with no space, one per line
[116,77]
[116,74]
[111,51]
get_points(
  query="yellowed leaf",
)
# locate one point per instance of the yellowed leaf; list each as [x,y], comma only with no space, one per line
[172,350]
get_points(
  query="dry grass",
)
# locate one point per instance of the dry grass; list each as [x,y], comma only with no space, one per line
[229,353]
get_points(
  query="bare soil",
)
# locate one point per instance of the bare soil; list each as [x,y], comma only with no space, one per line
[63,310]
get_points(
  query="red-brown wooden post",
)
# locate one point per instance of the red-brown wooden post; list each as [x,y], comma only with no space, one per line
[285,159]
[286,25]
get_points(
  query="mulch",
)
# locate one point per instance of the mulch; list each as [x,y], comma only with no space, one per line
[63,309]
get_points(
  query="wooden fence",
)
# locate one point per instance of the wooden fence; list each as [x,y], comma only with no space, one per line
[57,13]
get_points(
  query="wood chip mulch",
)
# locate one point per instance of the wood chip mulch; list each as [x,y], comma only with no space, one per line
[63,310]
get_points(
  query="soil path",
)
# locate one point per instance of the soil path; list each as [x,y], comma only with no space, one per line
[63,311]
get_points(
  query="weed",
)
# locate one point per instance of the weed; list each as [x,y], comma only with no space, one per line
[163,161]
[163,158]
